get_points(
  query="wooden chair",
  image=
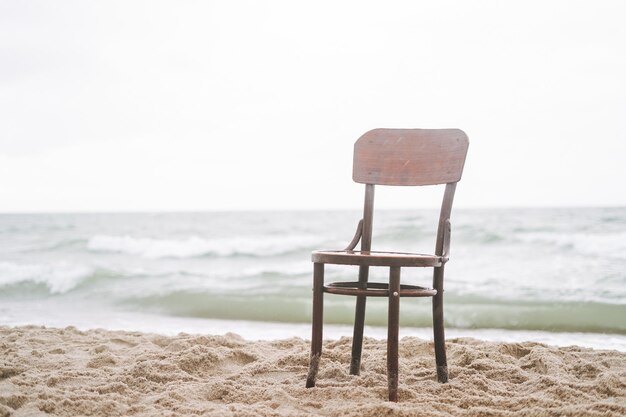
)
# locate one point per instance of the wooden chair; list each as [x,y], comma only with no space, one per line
[393,157]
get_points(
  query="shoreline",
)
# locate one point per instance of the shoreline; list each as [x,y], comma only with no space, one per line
[260,330]
[101,372]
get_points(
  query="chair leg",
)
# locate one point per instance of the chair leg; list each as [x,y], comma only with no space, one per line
[438,332]
[392,332]
[318,322]
[359,322]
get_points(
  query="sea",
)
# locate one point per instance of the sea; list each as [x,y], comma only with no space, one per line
[552,275]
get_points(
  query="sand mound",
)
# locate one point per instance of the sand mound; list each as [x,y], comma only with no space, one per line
[67,372]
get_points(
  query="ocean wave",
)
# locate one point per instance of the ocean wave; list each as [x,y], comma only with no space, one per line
[602,244]
[59,277]
[194,246]
[293,306]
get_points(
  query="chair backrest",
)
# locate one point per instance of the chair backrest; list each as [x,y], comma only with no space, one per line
[410,156]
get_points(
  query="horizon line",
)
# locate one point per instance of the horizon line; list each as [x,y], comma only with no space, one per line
[244,210]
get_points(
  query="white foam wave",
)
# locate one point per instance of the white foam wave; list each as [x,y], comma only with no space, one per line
[286,269]
[195,246]
[606,244]
[59,277]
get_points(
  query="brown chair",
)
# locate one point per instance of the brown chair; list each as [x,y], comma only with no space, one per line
[393,157]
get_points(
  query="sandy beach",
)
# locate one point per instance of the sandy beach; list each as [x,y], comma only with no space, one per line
[68,372]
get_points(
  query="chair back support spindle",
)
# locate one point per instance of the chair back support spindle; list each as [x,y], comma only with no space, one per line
[444,216]
[368,218]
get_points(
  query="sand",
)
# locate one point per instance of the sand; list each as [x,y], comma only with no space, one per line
[67,372]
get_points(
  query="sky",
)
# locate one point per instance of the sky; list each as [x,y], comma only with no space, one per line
[244,105]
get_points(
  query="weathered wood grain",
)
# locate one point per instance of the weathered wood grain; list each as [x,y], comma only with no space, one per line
[410,156]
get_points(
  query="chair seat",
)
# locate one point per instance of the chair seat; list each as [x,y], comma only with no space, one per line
[372,258]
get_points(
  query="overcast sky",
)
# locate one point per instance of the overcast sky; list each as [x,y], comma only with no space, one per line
[206,105]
